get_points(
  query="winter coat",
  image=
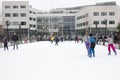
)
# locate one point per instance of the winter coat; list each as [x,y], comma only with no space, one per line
[92,42]
[15,38]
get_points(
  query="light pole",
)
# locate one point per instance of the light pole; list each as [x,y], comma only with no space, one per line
[96,31]
[20,31]
[96,25]
[105,22]
[7,24]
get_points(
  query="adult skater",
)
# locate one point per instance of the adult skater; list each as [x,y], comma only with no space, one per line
[110,45]
[56,40]
[76,39]
[92,46]
[15,41]
[87,42]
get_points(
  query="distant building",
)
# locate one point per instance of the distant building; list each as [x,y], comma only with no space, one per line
[21,18]
[62,24]
[101,18]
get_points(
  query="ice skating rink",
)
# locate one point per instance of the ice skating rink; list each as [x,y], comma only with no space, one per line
[67,61]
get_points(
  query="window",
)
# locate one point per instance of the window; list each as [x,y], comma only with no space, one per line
[15,6]
[112,22]
[23,6]
[23,14]
[7,7]
[30,25]
[7,15]
[112,13]
[95,13]
[104,22]
[23,23]
[30,11]
[83,16]
[15,14]
[34,26]
[15,23]
[104,13]
[30,18]
[33,12]
[79,17]
[95,22]
[34,19]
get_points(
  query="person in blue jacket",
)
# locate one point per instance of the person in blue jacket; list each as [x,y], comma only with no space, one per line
[92,46]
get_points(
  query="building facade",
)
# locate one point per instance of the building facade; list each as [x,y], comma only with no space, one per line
[19,17]
[61,24]
[101,18]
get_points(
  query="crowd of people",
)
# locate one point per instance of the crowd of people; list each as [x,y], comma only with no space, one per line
[88,39]
[90,43]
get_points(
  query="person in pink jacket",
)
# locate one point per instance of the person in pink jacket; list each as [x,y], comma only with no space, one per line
[110,45]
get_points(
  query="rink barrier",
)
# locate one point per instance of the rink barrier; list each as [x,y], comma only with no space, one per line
[117,46]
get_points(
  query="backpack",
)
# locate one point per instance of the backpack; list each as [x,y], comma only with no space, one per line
[92,42]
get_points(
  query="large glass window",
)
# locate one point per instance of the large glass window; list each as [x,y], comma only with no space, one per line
[23,14]
[103,13]
[15,23]
[46,20]
[15,6]
[95,22]
[111,13]
[23,6]
[23,23]
[103,22]
[7,15]
[95,13]
[15,14]
[111,22]
[68,19]
[7,6]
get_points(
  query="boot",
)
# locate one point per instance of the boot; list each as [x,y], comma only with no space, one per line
[115,52]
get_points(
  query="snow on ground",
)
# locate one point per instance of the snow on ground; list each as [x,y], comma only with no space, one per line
[68,61]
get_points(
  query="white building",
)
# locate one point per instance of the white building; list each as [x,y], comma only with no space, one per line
[21,17]
[88,16]
[64,21]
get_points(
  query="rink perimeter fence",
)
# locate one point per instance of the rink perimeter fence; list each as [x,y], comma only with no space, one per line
[10,43]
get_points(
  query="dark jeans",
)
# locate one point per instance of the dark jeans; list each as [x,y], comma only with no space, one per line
[15,43]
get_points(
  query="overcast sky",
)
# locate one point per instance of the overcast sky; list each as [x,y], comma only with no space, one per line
[46,5]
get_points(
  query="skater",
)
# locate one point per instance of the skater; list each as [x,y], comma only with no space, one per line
[87,42]
[51,39]
[5,41]
[110,45]
[56,40]
[15,41]
[92,46]
[76,39]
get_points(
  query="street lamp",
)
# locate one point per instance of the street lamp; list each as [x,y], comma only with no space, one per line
[7,24]
[20,31]
[96,32]
[105,22]
[96,25]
